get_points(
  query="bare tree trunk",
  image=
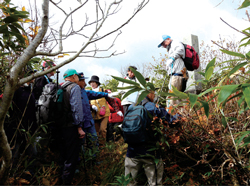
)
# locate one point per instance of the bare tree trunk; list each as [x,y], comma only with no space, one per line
[11,85]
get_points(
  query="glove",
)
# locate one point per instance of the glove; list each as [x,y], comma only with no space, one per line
[94,108]
[119,113]
[169,62]
[110,96]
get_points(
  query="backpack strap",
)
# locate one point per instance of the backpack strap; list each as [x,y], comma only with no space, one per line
[144,102]
[47,78]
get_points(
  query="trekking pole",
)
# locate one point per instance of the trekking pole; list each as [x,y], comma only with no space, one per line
[57,78]
[168,102]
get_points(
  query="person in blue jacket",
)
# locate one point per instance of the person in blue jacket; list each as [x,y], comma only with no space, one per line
[140,155]
[89,124]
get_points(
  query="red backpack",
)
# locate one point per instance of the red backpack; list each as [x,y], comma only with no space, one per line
[113,117]
[191,59]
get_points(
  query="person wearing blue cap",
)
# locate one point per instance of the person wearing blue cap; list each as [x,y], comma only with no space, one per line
[175,63]
[89,124]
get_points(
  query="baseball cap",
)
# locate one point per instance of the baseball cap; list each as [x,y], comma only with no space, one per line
[70,72]
[81,76]
[164,37]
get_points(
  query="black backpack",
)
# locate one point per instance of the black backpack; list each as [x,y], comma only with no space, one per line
[49,106]
[136,125]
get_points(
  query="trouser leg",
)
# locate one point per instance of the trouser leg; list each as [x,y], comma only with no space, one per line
[103,127]
[153,172]
[110,131]
[71,149]
[132,166]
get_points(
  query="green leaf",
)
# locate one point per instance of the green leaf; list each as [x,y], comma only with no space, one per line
[193,98]
[233,53]
[210,64]
[3,29]
[128,87]
[232,118]
[14,29]
[209,72]
[209,90]
[130,92]
[202,73]
[151,85]
[225,92]
[224,122]
[241,100]
[239,139]
[206,107]
[245,4]
[246,92]
[247,140]
[11,19]
[179,94]
[126,81]
[245,44]
[140,78]
[237,68]
[142,95]
[156,161]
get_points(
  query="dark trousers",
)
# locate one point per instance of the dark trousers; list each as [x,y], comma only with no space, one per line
[111,129]
[70,153]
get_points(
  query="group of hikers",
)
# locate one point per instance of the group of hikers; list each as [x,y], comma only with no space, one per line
[89,117]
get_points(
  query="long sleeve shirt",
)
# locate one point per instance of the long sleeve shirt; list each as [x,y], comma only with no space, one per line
[76,106]
[176,51]
[87,95]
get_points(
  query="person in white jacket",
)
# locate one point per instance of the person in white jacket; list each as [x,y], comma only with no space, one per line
[132,98]
[175,63]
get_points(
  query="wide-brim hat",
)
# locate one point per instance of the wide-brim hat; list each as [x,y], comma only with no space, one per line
[94,79]
[164,37]
[81,76]
[70,72]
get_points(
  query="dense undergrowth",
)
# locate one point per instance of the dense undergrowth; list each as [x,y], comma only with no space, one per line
[199,151]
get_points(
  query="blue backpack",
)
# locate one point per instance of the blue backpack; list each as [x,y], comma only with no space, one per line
[135,124]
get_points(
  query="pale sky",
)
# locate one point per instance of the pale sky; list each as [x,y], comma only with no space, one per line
[178,18]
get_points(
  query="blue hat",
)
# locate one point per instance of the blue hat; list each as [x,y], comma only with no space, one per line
[164,37]
[81,76]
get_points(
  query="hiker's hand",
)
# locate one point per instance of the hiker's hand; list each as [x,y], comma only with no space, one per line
[94,108]
[81,133]
[110,96]
[119,113]
[169,62]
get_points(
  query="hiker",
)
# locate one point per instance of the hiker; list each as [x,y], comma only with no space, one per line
[21,125]
[131,99]
[72,132]
[175,64]
[115,120]
[41,81]
[89,124]
[100,110]
[136,152]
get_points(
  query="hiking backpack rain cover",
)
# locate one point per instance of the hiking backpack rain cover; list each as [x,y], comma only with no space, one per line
[135,125]
[191,60]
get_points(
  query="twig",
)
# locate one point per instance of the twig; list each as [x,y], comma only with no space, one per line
[235,28]
[219,45]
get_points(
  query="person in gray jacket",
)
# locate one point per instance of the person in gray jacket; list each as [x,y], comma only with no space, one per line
[175,64]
